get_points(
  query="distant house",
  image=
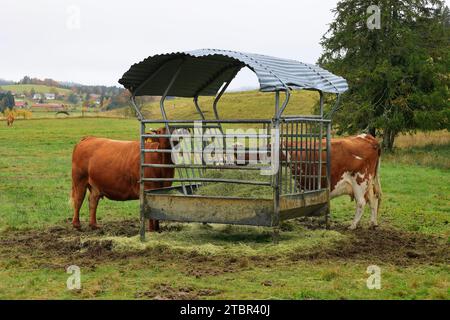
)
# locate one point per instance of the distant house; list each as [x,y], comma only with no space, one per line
[20,104]
[49,96]
[48,107]
[37,96]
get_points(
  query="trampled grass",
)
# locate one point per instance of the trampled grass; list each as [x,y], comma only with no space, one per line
[211,262]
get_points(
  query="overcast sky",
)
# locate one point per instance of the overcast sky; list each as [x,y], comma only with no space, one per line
[95,42]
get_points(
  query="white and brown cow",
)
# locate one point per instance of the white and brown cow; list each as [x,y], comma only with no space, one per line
[355,171]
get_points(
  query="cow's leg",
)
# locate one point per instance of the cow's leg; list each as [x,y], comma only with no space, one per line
[78,193]
[94,197]
[373,203]
[153,225]
[358,214]
[359,192]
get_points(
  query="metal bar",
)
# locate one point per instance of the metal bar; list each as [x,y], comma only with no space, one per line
[141,185]
[286,173]
[302,162]
[163,111]
[189,171]
[136,108]
[290,164]
[285,103]
[316,155]
[277,102]
[199,166]
[320,140]
[305,116]
[258,183]
[303,193]
[200,112]
[294,135]
[276,177]
[301,158]
[197,151]
[296,186]
[304,149]
[280,159]
[216,100]
[310,157]
[234,135]
[320,156]
[321,103]
[328,213]
[307,167]
[249,121]
[191,126]
[305,119]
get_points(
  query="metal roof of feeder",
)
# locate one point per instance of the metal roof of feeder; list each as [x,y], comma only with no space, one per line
[203,72]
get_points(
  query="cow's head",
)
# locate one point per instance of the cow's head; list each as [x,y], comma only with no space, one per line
[164,142]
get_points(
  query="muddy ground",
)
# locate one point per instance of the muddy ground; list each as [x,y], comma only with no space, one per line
[57,247]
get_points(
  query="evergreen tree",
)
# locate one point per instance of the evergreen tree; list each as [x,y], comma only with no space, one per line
[398,74]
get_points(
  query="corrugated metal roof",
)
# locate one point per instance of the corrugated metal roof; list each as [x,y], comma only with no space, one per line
[204,71]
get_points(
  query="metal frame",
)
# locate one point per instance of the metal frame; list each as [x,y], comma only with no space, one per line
[297,186]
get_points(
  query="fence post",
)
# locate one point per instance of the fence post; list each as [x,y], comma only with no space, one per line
[327,214]
[141,183]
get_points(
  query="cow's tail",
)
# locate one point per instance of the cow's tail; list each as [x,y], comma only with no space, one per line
[71,195]
[72,191]
[70,201]
[377,182]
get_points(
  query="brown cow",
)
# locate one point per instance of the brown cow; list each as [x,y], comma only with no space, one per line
[111,169]
[9,119]
[355,165]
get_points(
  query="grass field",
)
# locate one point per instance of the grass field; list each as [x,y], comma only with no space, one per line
[38,88]
[235,105]
[194,261]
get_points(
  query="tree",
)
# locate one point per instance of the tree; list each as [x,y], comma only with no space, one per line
[6,101]
[25,80]
[398,74]
[72,98]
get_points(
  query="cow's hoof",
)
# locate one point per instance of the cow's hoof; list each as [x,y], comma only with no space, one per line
[76,226]
[94,226]
[352,227]
[373,226]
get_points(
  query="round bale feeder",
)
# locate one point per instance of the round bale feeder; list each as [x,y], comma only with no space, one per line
[295,148]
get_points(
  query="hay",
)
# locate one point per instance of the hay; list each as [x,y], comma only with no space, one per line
[233,189]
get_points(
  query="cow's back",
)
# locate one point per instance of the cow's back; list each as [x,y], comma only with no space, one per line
[354,157]
[111,166]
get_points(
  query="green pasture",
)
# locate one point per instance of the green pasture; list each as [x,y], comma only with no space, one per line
[197,261]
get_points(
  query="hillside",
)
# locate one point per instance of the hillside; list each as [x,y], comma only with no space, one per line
[38,88]
[248,104]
